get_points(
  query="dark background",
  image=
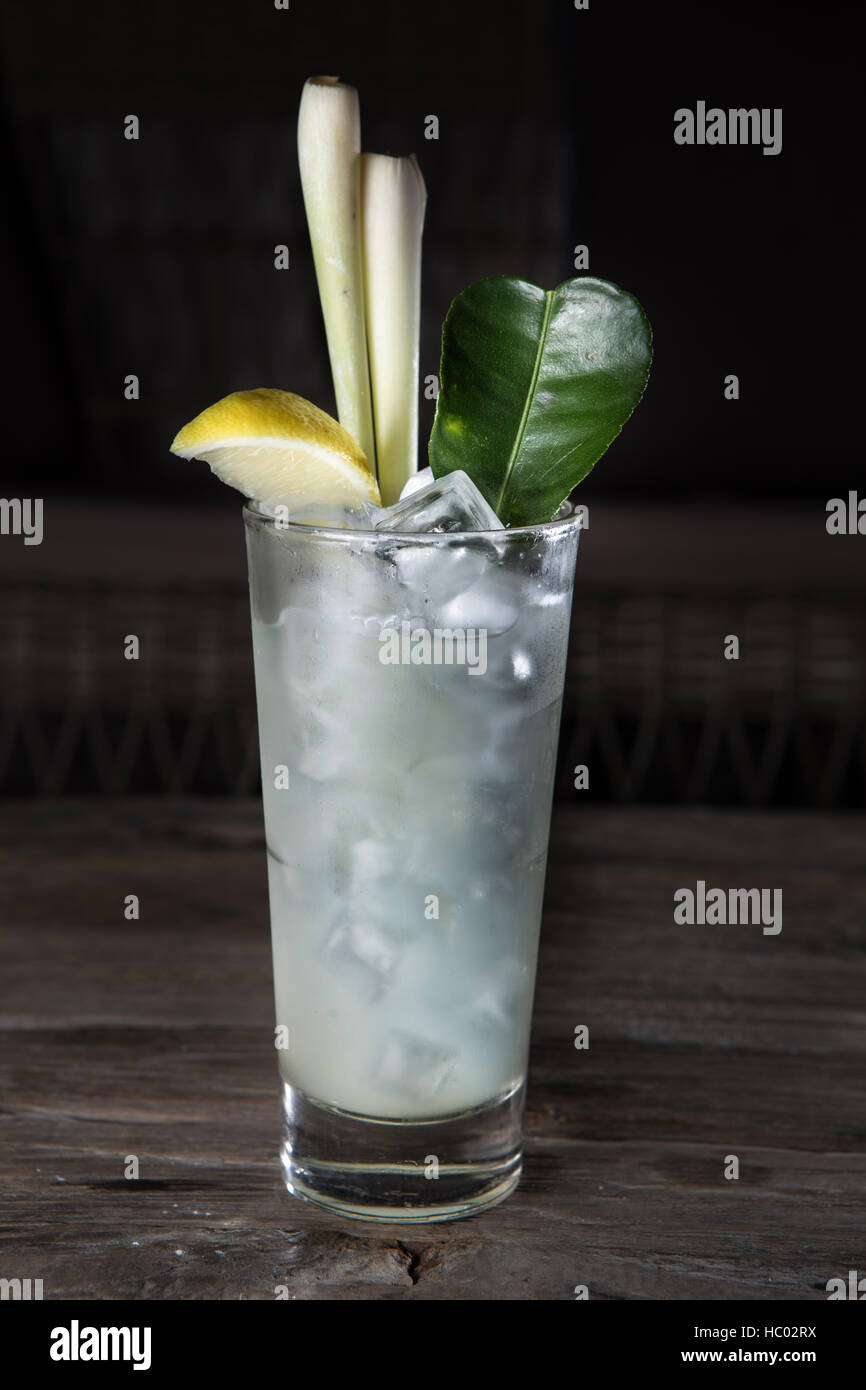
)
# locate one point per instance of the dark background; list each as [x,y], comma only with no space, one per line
[556,128]
[155,257]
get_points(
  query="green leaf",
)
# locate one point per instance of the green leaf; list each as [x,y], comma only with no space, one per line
[534,385]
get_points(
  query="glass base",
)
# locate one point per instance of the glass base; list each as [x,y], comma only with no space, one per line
[404,1171]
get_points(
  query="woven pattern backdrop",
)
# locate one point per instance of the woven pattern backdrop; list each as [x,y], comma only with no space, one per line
[652,708]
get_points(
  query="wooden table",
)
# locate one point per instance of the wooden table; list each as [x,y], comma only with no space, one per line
[153,1038]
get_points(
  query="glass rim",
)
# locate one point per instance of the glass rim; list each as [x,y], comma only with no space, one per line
[566,519]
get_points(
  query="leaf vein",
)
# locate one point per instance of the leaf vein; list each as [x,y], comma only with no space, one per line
[527,405]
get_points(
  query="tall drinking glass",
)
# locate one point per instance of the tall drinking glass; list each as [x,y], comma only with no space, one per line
[409,690]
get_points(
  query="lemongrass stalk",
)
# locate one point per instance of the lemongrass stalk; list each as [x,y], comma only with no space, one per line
[393,198]
[329,145]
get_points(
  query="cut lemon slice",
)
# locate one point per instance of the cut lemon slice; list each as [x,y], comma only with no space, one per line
[276,447]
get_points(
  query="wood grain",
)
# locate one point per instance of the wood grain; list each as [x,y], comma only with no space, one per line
[154,1038]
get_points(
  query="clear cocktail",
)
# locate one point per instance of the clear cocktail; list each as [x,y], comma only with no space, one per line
[409,691]
[410,633]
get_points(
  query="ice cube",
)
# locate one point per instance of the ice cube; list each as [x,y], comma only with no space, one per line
[503,995]
[370,859]
[415,1067]
[437,574]
[492,603]
[522,665]
[366,953]
[512,669]
[448,504]
[322,759]
[415,481]
[365,517]
[470,794]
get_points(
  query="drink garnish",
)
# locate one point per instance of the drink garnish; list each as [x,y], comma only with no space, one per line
[534,386]
[276,447]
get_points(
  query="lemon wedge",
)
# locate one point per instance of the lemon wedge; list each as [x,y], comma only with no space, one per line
[276,447]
